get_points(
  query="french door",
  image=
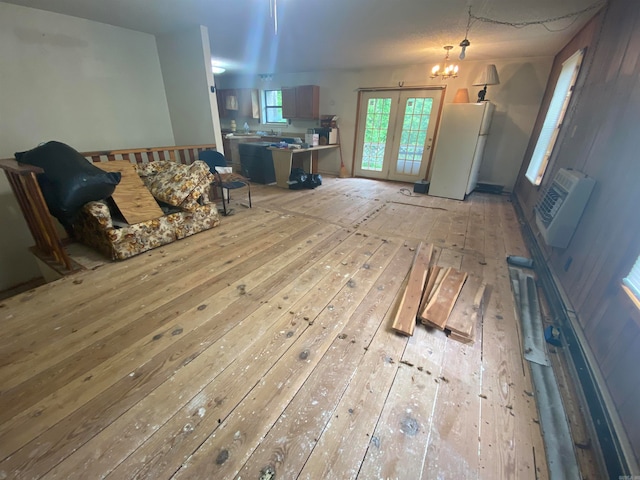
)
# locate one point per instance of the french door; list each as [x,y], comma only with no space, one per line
[395,133]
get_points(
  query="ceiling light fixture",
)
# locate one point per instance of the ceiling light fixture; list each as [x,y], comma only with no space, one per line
[447,71]
[216,67]
[465,43]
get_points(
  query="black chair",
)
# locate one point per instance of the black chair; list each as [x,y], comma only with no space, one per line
[230,181]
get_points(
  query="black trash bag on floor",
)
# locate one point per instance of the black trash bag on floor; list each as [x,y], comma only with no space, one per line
[313,180]
[297,179]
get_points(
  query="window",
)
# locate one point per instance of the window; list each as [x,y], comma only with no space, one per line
[272,111]
[553,120]
[632,281]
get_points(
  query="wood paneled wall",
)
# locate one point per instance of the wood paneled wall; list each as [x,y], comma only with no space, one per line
[601,137]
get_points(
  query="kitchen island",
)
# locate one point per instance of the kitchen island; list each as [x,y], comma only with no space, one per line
[232,141]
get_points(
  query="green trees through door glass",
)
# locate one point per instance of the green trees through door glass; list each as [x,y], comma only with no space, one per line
[414,135]
[375,135]
[415,123]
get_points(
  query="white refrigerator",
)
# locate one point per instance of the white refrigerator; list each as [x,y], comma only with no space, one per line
[461,139]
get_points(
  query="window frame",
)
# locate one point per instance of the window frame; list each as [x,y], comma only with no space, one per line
[631,283]
[266,107]
[554,117]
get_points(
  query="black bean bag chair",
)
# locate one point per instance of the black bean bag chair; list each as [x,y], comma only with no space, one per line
[69,180]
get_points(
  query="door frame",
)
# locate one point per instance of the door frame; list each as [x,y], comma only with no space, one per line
[443,91]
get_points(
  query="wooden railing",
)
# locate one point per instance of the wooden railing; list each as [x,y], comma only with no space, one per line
[186,154]
[49,246]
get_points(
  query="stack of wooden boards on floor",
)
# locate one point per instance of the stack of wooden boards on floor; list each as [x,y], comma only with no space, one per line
[444,298]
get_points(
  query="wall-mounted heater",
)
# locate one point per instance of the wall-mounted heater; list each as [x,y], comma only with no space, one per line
[561,205]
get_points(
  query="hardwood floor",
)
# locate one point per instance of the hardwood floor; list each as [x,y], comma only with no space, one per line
[262,349]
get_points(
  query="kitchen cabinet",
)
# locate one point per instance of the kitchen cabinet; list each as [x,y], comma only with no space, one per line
[248,105]
[238,103]
[221,95]
[301,102]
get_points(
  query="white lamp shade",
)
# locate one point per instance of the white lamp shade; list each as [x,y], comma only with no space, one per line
[489,76]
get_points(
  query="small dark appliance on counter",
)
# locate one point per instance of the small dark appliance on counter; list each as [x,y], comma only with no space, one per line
[326,136]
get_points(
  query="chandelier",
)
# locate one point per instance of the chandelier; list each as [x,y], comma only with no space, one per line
[447,71]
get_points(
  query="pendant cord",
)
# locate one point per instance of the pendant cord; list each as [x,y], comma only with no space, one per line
[273,13]
[466,32]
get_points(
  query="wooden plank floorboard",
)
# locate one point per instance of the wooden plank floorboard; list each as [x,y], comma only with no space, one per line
[441,304]
[374,221]
[308,418]
[510,439]
[230,300]
[455,432]
[526,423]
[192,343]
[394,217]
[461,321]
[424,223]
[268,400]
[106,328]
[340,448]
[221,394]
[151,270]
[202,367]
[102,349]
[353,208]
[229,352]
[404,321]
[402,433]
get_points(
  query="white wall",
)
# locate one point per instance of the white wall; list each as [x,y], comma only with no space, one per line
[91,85]
[185,58]
[517,101]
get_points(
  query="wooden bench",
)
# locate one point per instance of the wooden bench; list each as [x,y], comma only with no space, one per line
[49,246]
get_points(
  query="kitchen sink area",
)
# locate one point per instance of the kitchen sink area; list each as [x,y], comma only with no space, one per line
[233,153]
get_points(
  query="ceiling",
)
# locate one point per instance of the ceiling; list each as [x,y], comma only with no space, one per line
[342,34]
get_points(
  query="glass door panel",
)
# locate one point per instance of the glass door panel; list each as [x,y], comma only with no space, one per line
[374,140]
[375,134]
[396,131]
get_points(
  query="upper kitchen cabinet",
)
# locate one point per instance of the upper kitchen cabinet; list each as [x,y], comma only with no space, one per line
[238,103]
[223,103]
[301,102]
[248,105]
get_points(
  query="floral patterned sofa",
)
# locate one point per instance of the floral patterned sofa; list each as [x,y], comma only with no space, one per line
[183,193]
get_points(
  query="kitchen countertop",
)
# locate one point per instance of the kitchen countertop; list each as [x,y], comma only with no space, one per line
[240,136]
[256,135]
